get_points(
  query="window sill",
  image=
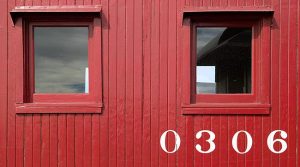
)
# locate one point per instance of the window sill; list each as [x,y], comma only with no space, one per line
[226,108]
[62,108]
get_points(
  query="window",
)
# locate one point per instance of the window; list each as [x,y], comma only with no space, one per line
[226,63]
[60,71]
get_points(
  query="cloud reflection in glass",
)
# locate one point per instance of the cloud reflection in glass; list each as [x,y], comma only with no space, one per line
[60,58]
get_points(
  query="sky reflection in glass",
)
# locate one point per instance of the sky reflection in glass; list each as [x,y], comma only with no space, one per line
[61,57]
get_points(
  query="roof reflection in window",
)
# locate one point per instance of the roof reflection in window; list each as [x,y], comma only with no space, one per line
[228,51]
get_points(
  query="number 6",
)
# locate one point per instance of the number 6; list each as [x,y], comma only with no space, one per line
[271,141]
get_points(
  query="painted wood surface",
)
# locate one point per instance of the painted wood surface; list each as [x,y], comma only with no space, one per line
[141,48]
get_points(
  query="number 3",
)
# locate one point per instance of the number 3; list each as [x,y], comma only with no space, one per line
[212,145]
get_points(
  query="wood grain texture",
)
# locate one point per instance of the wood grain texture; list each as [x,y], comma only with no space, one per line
[3,85]
[142,76]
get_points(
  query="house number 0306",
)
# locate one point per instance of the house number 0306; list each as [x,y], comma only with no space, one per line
[270,141]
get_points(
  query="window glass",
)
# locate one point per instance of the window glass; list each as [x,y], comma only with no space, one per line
[223,61]
[61,59]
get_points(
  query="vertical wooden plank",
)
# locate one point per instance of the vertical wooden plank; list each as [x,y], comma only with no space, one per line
[28,143]
[79,139]
[215,127]
[267,3]
[121,80]
[88,2]
[207,125]
[79,2]
[53,140]
[163,76]
[198,126]
[206,3]
[181,125]
[113,15]
[19,146]
[129,115]
[54,2]
[266,129]
[189,139]
[292,83]
[87,140]
[259,139]
[249,127]
[241,140]
[258,2]
[224,3]
[138,83]
[147,36]
[70,2]
[216,3]
[95,158]
[155,76]
[70,140]
[19,161]
[172,72]
[241,2]
[45,138]
[249,3]
[284,113]
[232,129]
[36,138]
[224,145]
[232,3]
[99,2]
[36,2]
[3,85]
[62,140]
[61,2]
[45,2]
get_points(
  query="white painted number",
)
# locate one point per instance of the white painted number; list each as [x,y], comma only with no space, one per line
[212,145]
[163,141]
[271,141]
[234,142]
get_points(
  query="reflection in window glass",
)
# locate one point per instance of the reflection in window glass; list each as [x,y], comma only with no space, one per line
[223,60]
[61,59]
[206,83]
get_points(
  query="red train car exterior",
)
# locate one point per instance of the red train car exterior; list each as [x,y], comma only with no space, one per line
[143,85]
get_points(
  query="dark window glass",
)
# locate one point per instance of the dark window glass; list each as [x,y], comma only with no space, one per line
[223,60]
[61,59]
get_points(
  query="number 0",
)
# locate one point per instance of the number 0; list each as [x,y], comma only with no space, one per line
[249,142]
[163,141]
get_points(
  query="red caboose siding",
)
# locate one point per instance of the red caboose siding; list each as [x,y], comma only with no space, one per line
[142,51]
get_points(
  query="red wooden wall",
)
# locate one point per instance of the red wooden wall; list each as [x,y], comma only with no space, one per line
[142,42]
